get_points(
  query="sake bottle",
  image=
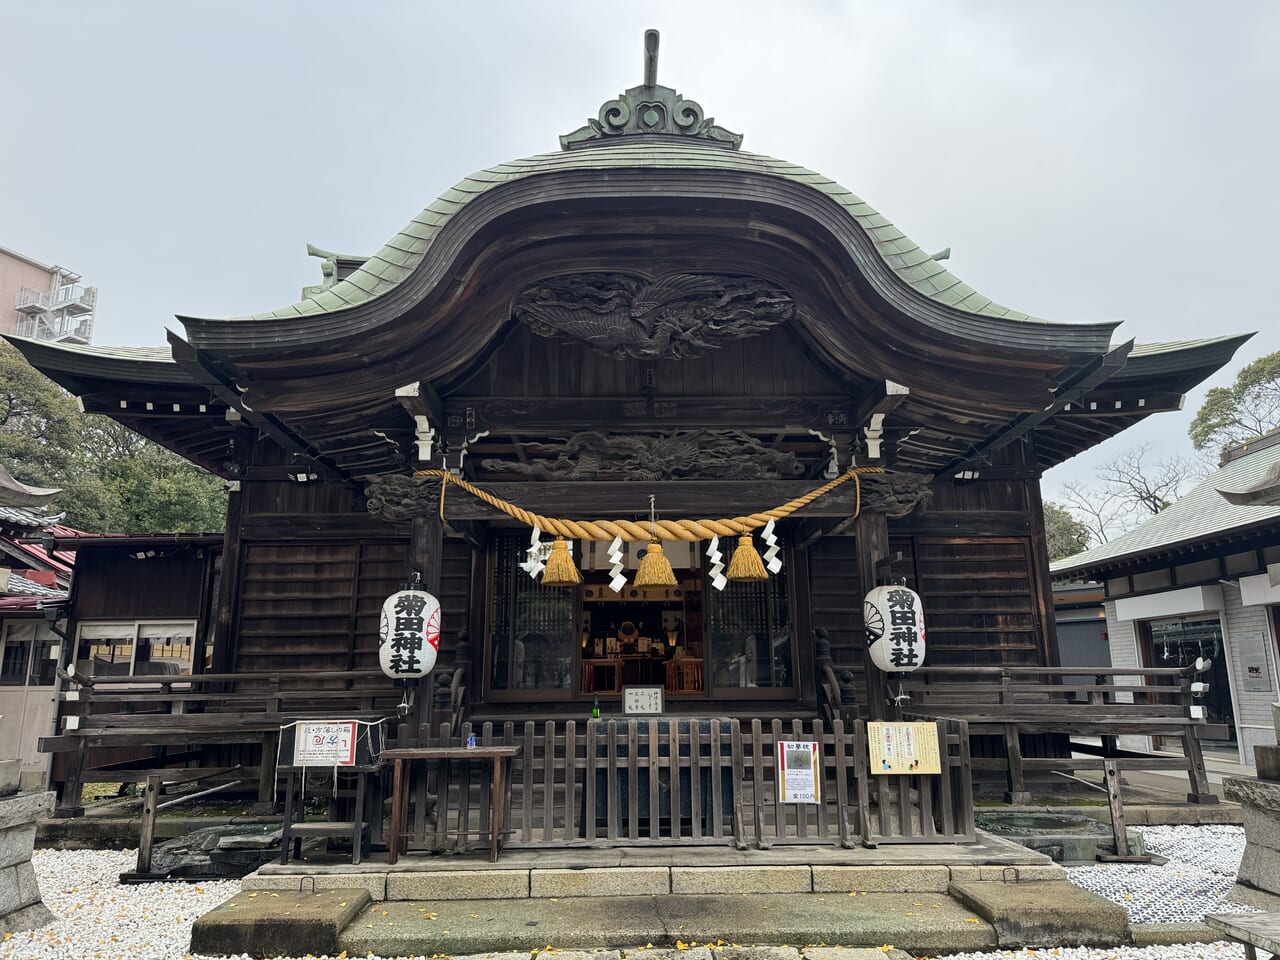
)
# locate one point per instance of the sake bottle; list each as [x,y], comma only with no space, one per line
[595,706]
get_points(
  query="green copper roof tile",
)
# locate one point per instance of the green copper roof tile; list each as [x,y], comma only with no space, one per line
[954,294]
[917,272]
[398,252]
[327,300]
[916,256]
[418,231]
[401,256]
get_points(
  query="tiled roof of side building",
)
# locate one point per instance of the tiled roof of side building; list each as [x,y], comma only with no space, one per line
[1202,514]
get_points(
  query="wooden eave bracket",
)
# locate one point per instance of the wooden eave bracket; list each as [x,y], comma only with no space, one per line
[1101,369]
[204,370]
[423,404]
[870,414]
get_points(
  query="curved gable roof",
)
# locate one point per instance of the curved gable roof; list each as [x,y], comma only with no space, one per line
[970,313]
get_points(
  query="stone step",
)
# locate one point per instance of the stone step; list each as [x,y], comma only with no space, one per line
[1045,913]
[494,882]
[923,924]
[270,924]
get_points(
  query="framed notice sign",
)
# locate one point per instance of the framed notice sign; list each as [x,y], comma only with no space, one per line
[642,700]
[903,747]
[798,771]
[325,743]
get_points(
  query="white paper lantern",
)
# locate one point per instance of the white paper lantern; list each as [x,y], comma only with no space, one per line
[894,617]
[409,634]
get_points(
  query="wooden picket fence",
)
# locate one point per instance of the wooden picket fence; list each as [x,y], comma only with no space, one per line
[678,781]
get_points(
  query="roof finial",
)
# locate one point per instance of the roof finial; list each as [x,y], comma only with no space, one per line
[651,109]
[651,58]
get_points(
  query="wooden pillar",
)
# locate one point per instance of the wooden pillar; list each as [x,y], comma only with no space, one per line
[426,557]
[871,533]
[1041,585]
[226,614]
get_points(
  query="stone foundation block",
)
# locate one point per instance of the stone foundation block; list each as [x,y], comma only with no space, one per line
[1266,758]
[16,844]
[33,917]
[459,885]
[785,879]
[374,884]
[28,886]
[260,881]
[1250,792]
[1253,897]
[658,953]
[1260,867]
[757,953]
[921,879]
[1053,871]
[25,808]
[600,882]
[1261,827]
[10,896]
[854,953]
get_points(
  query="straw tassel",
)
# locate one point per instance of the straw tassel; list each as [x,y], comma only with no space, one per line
[655,569]
[746,565]
[561,570]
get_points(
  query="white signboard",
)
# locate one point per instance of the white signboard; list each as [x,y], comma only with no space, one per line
[799,769]
[325,743]
[409,634]
[642,700]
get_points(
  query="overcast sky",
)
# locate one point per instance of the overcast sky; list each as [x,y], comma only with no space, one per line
[1083,160]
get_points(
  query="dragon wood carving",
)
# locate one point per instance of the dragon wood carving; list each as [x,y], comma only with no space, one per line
[396,497]
[681,455]
[676,316]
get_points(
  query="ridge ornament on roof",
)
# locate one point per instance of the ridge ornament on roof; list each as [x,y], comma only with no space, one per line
[651,109]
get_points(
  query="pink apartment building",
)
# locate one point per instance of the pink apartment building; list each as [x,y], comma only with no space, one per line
[43,302]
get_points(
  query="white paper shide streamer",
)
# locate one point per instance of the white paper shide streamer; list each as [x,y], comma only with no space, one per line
[616,554]
[535,560]
[770,557]
[718,579]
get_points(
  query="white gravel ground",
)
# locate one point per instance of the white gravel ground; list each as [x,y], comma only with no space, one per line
[99,919]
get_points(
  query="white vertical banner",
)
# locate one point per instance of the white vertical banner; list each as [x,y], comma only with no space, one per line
[798,771]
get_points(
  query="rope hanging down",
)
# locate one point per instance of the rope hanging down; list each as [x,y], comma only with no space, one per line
[687,530]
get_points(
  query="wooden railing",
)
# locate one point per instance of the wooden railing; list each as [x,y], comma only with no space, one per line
[200,710]
[633,782]
[1087,701]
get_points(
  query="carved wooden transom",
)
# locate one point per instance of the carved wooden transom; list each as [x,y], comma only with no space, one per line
[676,316]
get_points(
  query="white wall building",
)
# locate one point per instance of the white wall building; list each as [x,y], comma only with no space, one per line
[1202,579]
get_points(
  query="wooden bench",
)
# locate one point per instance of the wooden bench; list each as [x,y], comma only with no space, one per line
[1105,702]
[1252,929]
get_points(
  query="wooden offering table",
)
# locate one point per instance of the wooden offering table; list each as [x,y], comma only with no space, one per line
[403,757]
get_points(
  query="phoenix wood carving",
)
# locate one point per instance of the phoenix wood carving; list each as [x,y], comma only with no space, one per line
[676,316]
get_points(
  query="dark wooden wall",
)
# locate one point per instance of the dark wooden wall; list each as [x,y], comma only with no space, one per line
[774,364]
[111,584]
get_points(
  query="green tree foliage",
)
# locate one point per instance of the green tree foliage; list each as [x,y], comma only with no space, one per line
[1247,409]
[38,421]
[1066,534]
[114,480]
